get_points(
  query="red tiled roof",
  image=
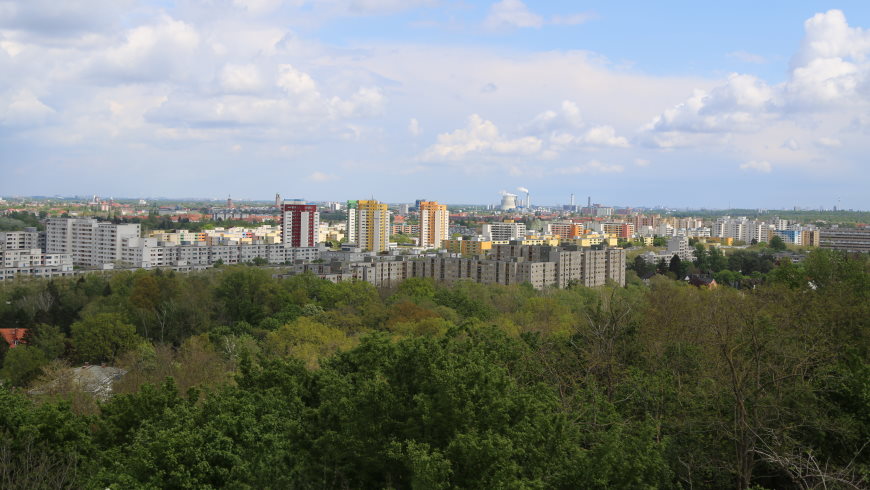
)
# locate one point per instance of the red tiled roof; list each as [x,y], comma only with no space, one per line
[13,336]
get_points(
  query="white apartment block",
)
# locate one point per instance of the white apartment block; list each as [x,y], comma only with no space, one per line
[504,231]
[679,246]
[29,238]
[91,243]
[33,262]
[148,253]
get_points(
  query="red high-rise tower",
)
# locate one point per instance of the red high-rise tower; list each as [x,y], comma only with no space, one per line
[299,224]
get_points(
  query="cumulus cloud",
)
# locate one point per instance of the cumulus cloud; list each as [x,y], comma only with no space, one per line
[740,104]
[50,18]
[322,177]
[567,117]
[757,166]
[507,14]
[23,109]
[573,19]
[161,51]
[591,167]
[480,137]
[829,36]
[565,127]
[826,142]
[747,57]
[791,144]
[511,13]
[414,127]
[258,6]
[545,137]
[241,78]
[830,72]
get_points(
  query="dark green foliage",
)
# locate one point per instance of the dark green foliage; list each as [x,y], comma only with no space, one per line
[302,383]
[103,337]
[776,243]
[23,364]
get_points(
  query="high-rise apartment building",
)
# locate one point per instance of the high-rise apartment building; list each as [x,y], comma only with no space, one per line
[507,230]
[299,224]
[90,242]
[434,224]
[368,225]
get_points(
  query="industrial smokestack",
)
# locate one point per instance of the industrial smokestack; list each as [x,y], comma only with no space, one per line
[523,189]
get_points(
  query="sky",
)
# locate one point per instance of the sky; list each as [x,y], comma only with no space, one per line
[674,103]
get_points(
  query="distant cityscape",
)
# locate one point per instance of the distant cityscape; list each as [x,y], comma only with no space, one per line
[512,241]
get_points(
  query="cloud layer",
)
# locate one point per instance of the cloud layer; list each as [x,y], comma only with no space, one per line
[197,91]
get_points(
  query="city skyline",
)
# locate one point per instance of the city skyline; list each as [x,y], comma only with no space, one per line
[754,105]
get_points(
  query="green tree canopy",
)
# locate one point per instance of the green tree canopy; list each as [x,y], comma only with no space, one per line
[103,337]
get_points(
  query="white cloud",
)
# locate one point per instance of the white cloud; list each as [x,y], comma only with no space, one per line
[591,167]
[747,57]
[12,48]
[258,6]
[480,137]
[572,19]
[511,13]
[296,82]
[739,105]
[791,144]
[641,162]
[828,36]
[23,109]
[322,177]
[603,136]
[382,6]
[414,127]
[757,166]
[241,78]
[51,18]
[830,74]
[826,142]
[566,127]
[567,117]
[159,51]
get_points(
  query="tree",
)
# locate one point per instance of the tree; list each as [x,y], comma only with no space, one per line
[248,294]
[677,267]
[49,339]
[23,364]
[701,256]
[777,243]
[307,340]
[103,337]
[662,267]
[642,266]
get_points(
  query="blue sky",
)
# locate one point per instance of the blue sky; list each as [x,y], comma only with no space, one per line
[753,104]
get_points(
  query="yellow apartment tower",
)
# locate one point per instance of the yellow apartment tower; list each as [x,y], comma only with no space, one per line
[434,224]
[368,225]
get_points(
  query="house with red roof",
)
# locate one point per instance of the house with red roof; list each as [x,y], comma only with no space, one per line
[13,336]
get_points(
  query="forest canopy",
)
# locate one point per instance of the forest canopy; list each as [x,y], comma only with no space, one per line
[234,378]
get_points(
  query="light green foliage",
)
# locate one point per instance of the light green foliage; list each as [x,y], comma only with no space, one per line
[306,340]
